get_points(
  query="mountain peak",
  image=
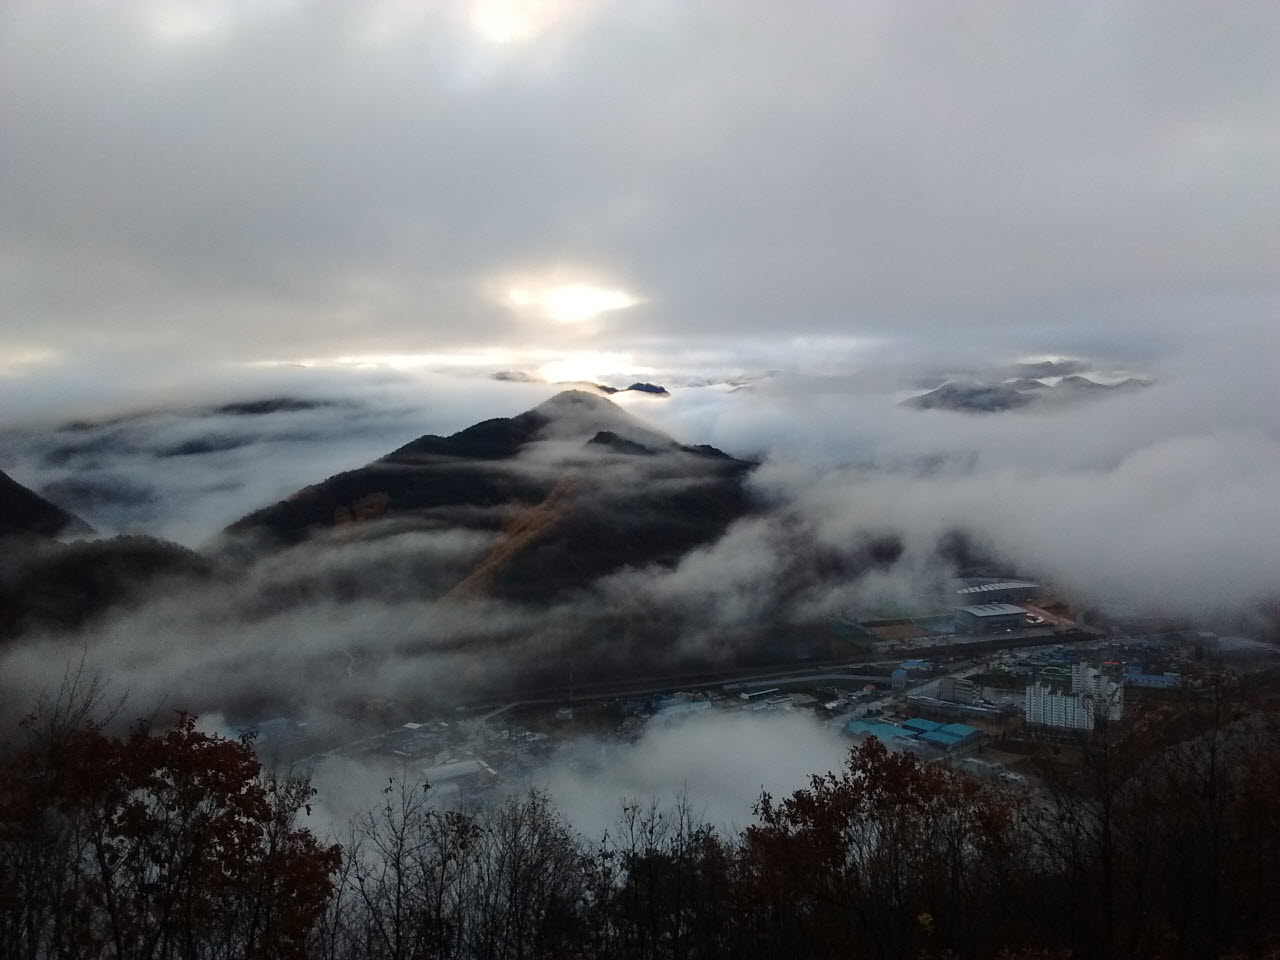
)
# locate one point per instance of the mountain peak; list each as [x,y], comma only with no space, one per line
[570,401]
[579,415]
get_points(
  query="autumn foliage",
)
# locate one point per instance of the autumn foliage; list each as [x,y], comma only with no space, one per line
[153,845]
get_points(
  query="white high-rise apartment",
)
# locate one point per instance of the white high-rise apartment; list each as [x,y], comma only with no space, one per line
[1092,695]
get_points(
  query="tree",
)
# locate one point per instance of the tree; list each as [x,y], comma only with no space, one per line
[889,857]
[151,845]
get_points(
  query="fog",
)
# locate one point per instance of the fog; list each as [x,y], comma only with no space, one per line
[1162,499]
[718,764]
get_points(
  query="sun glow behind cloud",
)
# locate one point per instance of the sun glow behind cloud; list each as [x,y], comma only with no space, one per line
[569,303]
[553,366]
[509,22]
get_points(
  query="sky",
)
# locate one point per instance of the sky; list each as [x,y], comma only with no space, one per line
[655,185]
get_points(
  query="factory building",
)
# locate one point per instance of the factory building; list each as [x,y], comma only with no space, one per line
[956,690]
[1093,696]
[990,617]
[916,731]
[886,733]
[997,591]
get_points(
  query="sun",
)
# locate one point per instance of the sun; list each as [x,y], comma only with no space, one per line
[570,304]
[510,22]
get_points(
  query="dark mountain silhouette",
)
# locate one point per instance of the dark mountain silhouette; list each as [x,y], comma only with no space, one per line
[25,513]
[257,408]
[64,586]
[574,488]
[972,398]
[649,388]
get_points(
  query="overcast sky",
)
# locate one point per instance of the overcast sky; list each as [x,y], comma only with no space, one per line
[201,182]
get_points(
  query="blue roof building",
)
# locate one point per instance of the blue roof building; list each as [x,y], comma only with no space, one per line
[1158,681]
[920,725]
[961,730]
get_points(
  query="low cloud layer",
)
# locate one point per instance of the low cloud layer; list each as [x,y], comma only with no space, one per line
[1160,498]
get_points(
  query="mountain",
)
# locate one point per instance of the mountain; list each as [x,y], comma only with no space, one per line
[972,398]
[64,586]
[570,490]
[26,513]
[1017,394]
[1046,368]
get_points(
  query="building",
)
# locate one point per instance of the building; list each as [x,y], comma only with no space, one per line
[997,591]
[1133,677]
[886,733]
[948,709]
[990,617]
[921,725]
[676,711]
[1093,696]
[898,679]
[955,690]
[943,736]
[917,733]
[460,776]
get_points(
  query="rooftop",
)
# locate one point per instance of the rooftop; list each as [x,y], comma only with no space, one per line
[995,610]
[921,725]
[999,585]
[959,729]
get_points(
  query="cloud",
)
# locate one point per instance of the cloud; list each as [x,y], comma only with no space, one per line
[280,180]
[719,763]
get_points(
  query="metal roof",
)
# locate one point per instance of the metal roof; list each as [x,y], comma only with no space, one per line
[999,585]
[921,724]
[995,610]
[959,729]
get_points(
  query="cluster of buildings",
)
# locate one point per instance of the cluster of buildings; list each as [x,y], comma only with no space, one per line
[970,611]
[1091,698]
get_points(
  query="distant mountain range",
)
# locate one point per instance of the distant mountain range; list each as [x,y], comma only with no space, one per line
[517,376]
[1015,394]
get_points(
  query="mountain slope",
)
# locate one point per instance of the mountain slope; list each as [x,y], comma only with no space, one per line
[572,489]
[25,513]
